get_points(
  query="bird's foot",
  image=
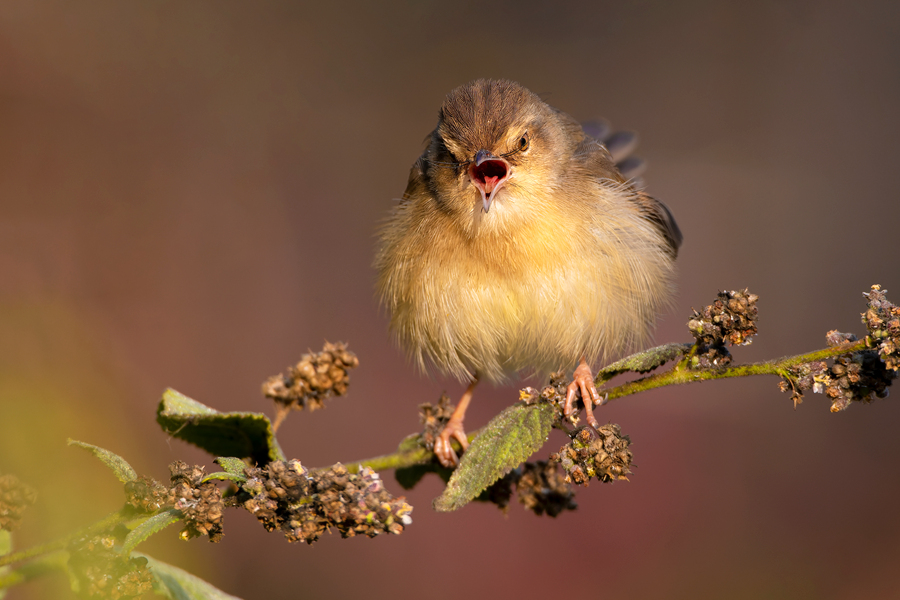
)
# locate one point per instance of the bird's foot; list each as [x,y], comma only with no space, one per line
[443,449]
[583,381]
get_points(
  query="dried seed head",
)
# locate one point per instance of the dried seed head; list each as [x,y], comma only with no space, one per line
[285,496]
[854,377]
[803,377]
[434,418]
[542,488]
[101,572]
[882,319]
[145,494]
[602,453]
[731,318]
[200,503]
[316,377]
[15,498]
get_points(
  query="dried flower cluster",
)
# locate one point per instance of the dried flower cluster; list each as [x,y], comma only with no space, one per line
[882,319]
[856,377]
[602,453]
[15,498]
[554,393]
[102,572]
[541,488]
[304,506]
[200,502]
[270,493]
[318,376]
[731,318]
[434,418]
[803,378]
[145,494]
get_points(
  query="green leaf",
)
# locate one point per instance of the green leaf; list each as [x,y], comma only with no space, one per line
[119,465]
[643,362]
[232,465]
[505,443]
[223,476]
[177,584]
[234,470]
[238,434]
[154,524]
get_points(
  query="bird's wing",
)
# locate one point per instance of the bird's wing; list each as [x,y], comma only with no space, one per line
[659,214]
[620,145]
[614,154]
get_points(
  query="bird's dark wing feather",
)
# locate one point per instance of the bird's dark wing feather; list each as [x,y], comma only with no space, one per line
[615,153]
[659,214]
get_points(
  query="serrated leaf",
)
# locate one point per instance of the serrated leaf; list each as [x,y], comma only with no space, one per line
[154,524]
[178,584]
[505,443]
[237,434]
[119,465]
[644,361]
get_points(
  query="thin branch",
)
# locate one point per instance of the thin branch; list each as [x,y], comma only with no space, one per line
[681,374]
[104,524]
[411,452]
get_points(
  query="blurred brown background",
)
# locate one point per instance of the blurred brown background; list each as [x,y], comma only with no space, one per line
[188,198]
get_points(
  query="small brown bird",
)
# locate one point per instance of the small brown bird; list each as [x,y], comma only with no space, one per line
[520,245]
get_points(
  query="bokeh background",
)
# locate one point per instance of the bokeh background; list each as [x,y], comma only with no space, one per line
[188,198]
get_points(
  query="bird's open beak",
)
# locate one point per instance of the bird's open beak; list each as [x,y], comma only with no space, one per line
[488,173]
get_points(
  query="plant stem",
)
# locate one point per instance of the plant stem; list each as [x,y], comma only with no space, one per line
[46,564]
[411,452]
[682,374]
[102,525]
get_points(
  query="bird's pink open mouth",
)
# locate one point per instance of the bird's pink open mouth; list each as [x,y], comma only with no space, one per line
[488,175]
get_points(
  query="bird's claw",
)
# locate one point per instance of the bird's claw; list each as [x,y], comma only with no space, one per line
[443,449]
[583,381]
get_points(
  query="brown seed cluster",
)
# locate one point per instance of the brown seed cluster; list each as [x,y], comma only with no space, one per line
[731,318]
[434,418]
[145,494]
[601,453]
[803,378]
[500,492]
[103,573]
[541,488]
[200,502]
[270,493]
[304,506]
[855,377]
[15,498]
[882,319]
[318,376]
[554,393]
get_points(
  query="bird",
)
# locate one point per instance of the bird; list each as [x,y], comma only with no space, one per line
[519,246]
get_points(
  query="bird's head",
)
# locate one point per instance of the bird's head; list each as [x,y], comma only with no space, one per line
[497,145]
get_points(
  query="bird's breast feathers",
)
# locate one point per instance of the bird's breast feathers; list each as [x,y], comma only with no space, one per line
[568,279]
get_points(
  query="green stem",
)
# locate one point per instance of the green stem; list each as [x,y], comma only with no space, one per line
[47,564]
[683,374]
[411,452]
[104,524]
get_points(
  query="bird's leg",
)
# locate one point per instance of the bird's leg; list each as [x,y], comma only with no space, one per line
[454,428]
[583,379]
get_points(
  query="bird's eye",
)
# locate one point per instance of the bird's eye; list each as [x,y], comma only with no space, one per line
[523,142]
